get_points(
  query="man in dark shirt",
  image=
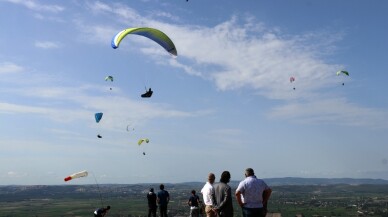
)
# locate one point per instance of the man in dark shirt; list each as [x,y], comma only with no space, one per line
[151,197]
[193,203]
[163,198]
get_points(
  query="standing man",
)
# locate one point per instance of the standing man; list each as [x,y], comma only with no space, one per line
[194,204]
[208,196]
[223,194]
[163,198]
[252,195]
[151,197]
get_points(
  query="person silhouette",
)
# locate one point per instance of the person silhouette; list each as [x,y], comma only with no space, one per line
[101,212]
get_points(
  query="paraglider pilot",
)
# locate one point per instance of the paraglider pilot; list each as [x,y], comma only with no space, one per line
[147,94]
[101,212]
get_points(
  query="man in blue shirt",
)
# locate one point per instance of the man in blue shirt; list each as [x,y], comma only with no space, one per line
[163,198]
[252,195]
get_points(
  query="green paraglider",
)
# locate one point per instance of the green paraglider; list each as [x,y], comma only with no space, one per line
[342,72]
[109,78]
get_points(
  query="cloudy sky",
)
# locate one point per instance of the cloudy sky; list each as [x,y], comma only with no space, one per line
[225,103]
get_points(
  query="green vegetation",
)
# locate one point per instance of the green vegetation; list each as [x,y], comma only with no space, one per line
[130,200]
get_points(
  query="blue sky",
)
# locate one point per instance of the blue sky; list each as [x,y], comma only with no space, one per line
[225,103]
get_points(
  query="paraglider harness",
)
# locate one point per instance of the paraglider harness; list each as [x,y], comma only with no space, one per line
[147,94]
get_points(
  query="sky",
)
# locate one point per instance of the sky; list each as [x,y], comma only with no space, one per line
[224,103]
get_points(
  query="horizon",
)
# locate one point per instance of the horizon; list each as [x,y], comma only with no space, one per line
[231,181]
[226,102]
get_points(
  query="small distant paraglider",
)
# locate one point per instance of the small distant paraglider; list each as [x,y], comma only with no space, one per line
[76,175]
[141,141]
[98,116]
[342,72]
[292,79]
[129,128]
[109,78]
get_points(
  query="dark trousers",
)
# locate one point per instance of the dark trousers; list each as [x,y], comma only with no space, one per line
[253,212]
[152,212]
[163,210]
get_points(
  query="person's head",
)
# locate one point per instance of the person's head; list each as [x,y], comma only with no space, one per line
[210,178]
[151,189]
[108,208]
[225,177]
[249,172]
[161,187]
[193,192]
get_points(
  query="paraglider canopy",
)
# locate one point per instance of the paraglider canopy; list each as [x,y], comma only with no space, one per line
[153,34]
[143,140]
[98,116]
[109,78]
[343,72]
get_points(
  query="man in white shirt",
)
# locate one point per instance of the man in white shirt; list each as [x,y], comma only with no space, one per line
[252,195]
[209,196]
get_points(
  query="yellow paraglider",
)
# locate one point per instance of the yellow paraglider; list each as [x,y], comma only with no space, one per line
[143,140]
[153,34]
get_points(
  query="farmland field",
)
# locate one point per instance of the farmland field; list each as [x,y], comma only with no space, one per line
[130,200]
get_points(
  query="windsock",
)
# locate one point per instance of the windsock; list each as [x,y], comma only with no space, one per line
[77,175]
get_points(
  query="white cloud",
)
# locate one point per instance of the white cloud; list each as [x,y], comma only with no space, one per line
[14,174]
[34,5]
[67,104]
[9,68]
[242,53]
[331,111]
[47,44]
[163,14]
[245,53]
